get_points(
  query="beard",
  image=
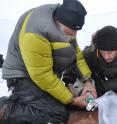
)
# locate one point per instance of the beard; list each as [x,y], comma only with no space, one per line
[68,37]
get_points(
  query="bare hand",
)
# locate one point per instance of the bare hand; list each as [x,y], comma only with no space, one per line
[80,101]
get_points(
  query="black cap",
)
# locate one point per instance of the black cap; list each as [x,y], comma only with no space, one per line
[106,38]
[71,13]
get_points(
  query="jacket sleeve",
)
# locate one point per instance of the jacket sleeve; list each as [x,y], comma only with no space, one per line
[78,70]
[82,65]
[37,56]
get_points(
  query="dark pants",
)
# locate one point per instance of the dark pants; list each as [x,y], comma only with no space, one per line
[30,105]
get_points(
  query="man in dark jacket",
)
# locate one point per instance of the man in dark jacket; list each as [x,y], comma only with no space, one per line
[42,46]
[1,60]
[101,57]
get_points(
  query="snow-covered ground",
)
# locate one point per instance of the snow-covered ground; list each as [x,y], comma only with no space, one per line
[3,87]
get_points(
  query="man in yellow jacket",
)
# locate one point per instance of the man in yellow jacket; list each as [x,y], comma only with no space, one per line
[41,47]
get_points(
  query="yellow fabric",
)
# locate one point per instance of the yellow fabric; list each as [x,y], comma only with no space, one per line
[81,64]
[58,45]
[37,56]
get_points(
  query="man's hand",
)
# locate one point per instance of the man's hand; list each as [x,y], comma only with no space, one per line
[80,101]
[88,86]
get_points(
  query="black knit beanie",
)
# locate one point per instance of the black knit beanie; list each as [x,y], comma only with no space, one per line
[71,13]
[106,38]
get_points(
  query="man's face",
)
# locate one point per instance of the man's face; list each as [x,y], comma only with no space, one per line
[68,32]
[109,56]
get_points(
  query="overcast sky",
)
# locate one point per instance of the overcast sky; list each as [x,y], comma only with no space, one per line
[12,9]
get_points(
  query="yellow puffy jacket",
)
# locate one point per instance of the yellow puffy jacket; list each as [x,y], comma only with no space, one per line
[46,52]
